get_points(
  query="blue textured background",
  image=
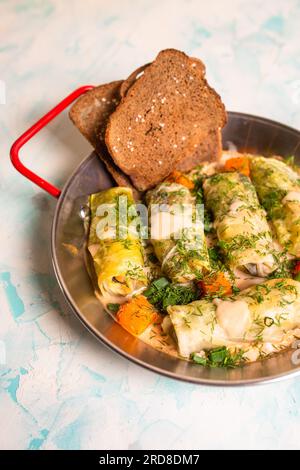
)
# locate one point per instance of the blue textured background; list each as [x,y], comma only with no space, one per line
[60,389]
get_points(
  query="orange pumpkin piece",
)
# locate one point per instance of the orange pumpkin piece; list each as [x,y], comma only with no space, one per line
[180,178]
[216,284]
[136,315]
[240,164]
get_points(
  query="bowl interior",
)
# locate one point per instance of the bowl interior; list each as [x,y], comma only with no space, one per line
[243,132]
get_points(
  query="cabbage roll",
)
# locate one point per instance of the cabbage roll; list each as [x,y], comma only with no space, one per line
[177,232]
[278,188]
[241,224]
[265,317]
[116,249]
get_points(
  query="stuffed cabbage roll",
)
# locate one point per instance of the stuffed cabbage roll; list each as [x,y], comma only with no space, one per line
[177,232]
[241,225]
[278,188]
[115,246]
[264,317]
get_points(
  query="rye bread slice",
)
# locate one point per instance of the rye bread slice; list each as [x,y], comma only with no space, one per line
[90,114]
[91,111]
[165,115]
[210,149]
[139,72]
[131,80]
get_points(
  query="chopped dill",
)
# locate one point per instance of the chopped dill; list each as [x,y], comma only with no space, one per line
[113,308]
[162,293]
[219,357]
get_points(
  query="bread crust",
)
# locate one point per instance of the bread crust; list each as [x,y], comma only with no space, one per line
[131,80]
[90,114]
[163,118]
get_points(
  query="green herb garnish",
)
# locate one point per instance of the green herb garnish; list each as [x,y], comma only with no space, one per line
[290,161]
[113,308]
[214,254]
[152,258]
[201,360]
[272,202]
[208,222]
[219,357]
[160,283]
[235,290]
[162,293]
[285,268]
[199,195]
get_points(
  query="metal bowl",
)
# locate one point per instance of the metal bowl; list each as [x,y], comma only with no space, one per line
[246,133]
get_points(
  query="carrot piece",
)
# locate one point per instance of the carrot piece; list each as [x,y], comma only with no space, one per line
[136,315]
[240,164]
[180,178]
[216,284]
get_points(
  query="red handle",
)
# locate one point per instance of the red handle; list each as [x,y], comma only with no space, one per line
[18,144]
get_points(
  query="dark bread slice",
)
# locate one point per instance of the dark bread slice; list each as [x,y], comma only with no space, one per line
[210,149]
[138,73]
[131,80]
[165,115]
[90,114]
[91,111]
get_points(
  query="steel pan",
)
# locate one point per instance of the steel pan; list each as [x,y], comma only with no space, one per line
[243,131]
